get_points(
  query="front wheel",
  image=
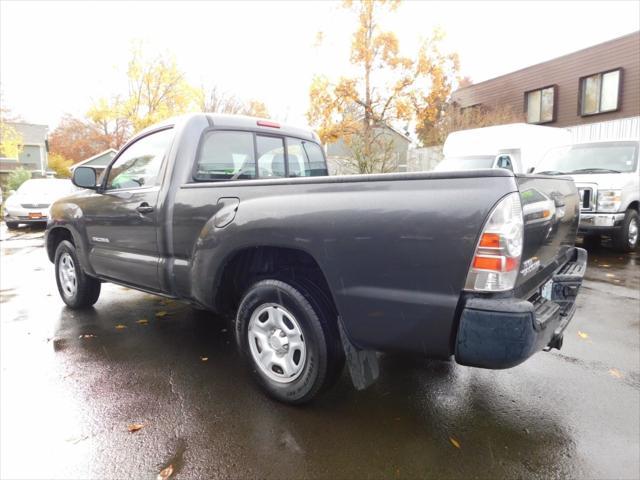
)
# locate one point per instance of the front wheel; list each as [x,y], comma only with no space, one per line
[77,289]
[626,238]
[289,339]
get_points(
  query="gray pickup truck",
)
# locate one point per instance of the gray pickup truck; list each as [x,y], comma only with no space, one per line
[237,215]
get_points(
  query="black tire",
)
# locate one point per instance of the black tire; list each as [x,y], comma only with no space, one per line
[621,237]
[87,289]
[12,225]
[324,355]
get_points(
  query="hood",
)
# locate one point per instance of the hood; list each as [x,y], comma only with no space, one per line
[613,181]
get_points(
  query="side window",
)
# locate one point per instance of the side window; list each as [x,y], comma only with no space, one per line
[139,165]
[317,164]
[505,162]
[305,159]
[226,155]
[270,157]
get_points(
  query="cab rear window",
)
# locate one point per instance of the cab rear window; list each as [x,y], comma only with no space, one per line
[230,155]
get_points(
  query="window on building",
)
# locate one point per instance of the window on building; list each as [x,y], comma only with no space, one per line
[540,105]
[600,93]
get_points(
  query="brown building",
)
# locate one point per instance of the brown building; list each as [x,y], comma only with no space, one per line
[598,84]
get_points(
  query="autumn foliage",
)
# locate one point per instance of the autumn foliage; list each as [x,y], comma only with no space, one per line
[389,88]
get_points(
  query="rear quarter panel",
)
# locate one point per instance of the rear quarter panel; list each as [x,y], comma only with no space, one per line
[395,252]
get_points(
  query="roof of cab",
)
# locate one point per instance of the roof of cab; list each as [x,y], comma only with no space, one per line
[221,120]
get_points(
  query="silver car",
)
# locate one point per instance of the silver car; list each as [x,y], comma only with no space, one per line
[30,203]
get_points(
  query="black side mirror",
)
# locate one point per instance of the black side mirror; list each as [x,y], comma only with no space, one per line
[531,170]
[85,177]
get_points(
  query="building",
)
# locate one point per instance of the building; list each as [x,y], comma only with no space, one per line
[34,154]
[99,161]
[338,153]
[594,92]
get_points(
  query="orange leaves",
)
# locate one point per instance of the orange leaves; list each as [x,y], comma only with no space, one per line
[161,313]
[165,473]
[454,442]
[582,335]
[142,321]
[120,326]
[614,372]
[134,427]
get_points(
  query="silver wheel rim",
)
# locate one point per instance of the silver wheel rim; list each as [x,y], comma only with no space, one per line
[277,343]
[633,232]
[67,275]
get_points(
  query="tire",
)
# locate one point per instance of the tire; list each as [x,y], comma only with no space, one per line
[625,239]
[12,225]
[76,288]
[296,332]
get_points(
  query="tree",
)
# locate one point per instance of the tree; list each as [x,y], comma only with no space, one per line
[217,101]
[60,165]
[389,88]
[455,118]
[108,118]
[10,138]
[77,140]
[157,90]
[17,177]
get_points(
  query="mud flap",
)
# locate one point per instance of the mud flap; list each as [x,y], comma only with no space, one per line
[363,364]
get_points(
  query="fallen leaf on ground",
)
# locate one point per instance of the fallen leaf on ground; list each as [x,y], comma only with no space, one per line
[134,427]
[161,313]
[454,442]
[120,327]
[165,473]
[610,275]
[204,359]
[583,335]
[87,335]
[142,321]
[614,372]
[605,265]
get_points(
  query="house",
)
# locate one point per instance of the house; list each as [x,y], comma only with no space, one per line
[99,161]
[338,153]
[34,152]
[595,92]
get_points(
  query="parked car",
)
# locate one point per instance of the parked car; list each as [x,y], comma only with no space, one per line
[30,203]
[607,175]
[518,147]
[236,215]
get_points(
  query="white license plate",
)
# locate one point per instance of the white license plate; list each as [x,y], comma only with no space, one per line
[547,290]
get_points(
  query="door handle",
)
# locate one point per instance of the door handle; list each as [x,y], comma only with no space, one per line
[144,207]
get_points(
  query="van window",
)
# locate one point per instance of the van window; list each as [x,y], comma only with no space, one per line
[270,157]
[226,156]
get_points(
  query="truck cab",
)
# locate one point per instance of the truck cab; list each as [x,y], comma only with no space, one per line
[608,179]
[517,147]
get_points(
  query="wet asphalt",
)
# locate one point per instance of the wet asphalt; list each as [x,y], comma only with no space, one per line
[71,383]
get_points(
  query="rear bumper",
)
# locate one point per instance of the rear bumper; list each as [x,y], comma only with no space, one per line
[501,333]
[16,219]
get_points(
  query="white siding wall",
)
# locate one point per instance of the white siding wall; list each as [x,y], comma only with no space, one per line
[620,129]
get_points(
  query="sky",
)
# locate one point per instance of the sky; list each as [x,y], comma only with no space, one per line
[59,57]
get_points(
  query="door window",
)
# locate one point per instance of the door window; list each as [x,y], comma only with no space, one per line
[270,157]
[139,165]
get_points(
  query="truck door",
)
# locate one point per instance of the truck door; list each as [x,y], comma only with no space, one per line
[122,221]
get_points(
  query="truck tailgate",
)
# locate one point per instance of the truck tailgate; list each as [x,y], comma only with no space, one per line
[551,211]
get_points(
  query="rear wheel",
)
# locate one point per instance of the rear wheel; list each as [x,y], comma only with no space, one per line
[626,238]
[289,340]
[12,225]
[77,289]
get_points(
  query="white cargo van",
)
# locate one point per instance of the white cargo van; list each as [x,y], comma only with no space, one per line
[517,146]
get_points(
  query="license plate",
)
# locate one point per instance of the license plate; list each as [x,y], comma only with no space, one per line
[547,290]
[35,215]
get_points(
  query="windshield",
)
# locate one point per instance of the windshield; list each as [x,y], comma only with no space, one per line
[610,157]
[46,187]
[466,163]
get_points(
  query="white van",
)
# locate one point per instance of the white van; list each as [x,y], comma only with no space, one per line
[517,146]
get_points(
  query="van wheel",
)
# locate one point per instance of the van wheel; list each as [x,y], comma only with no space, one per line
[289,340]
[77,289]
[625,239]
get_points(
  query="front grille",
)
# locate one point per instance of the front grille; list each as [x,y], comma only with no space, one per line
[586,198]
[35,205]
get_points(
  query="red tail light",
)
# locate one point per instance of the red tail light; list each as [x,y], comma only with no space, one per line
[267,123]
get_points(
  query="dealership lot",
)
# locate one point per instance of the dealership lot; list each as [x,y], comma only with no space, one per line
[73,383]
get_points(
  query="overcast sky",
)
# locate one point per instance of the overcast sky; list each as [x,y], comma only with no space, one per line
[57,57]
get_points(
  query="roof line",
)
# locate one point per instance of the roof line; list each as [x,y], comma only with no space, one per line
[637,32]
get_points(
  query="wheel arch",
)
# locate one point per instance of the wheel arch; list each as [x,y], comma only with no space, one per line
[54,237]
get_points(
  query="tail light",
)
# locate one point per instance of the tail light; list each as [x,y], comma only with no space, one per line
[496,259]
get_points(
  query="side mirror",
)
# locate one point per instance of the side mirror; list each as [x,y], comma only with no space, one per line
[531,170]
[84,177]
[503,161]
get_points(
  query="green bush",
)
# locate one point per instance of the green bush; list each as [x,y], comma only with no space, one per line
[17,178]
